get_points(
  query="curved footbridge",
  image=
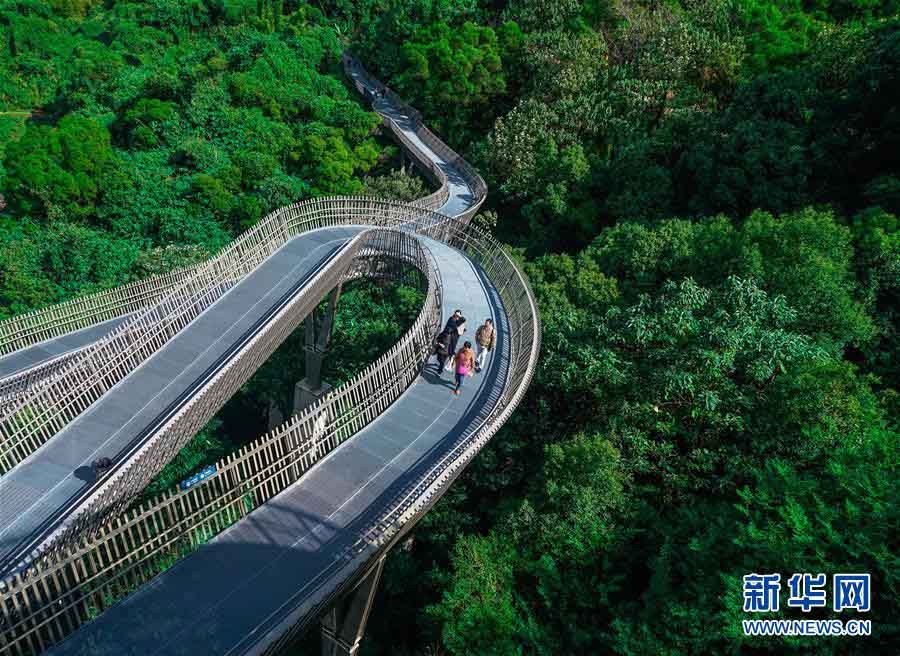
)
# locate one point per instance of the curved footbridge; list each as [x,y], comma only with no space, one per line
[296,525]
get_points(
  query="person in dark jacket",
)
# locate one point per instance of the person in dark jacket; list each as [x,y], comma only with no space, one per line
[442,349]
[457,324]
[102,467]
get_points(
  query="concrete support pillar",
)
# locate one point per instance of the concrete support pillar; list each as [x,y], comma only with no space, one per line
[276,417]
[305,396]
[344,625]
[318,338]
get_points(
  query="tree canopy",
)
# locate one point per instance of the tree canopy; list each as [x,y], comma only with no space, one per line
[704,195]
[147,125]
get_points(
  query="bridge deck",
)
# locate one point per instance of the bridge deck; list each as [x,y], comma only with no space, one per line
[276,565]
[53,478]
[461,196]
[47,350]
[287,556]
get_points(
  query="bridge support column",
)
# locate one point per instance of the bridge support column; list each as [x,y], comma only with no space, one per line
[344,625]
[318,338]
[276,417]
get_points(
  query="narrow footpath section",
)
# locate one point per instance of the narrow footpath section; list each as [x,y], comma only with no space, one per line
[52,481]
[38,354]
[277,564]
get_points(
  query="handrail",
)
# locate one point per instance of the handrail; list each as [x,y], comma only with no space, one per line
[86,514]
[354,71]
[15,386]
[123,555]
[98,554]
[37,326]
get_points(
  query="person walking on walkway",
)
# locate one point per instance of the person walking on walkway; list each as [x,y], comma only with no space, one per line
[456,323]
[485,340]
[464,363]
[442,348]
[102,467]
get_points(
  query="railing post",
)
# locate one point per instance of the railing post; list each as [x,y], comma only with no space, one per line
[344,624]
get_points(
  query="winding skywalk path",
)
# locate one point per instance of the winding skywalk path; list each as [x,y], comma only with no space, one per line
[348,478]
[288,557]
[58,476]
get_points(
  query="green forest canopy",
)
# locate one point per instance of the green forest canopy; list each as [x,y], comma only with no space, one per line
[704,194]
[160,124]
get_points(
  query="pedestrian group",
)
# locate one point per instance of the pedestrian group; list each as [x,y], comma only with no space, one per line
[465,361]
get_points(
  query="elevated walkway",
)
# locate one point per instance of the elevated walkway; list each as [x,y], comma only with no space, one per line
[238,593]
[43,489]
[257,582]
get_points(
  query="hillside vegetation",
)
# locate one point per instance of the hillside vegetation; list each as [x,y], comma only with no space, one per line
[704,194]
[159,131]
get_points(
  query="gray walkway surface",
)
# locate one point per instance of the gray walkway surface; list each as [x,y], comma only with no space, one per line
[289,554]
[52,348]
[285,558]
[53,479]
[461,197]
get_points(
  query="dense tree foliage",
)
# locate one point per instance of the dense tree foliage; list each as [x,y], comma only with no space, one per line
[705,196]
[133,126]
[398,184]
[724,433]
[455,73]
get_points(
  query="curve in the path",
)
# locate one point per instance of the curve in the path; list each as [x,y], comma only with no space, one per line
[289,557]
[57,480]
[305,545]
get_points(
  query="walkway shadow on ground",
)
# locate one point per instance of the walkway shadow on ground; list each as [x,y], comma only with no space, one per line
[85,473]
[429,375]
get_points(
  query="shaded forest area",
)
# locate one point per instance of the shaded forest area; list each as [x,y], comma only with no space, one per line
[704,194]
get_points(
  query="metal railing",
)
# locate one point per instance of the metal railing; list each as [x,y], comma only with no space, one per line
[17,385]
[97,556]
[40,604]
[63,588]
[39,325]
[364,84]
